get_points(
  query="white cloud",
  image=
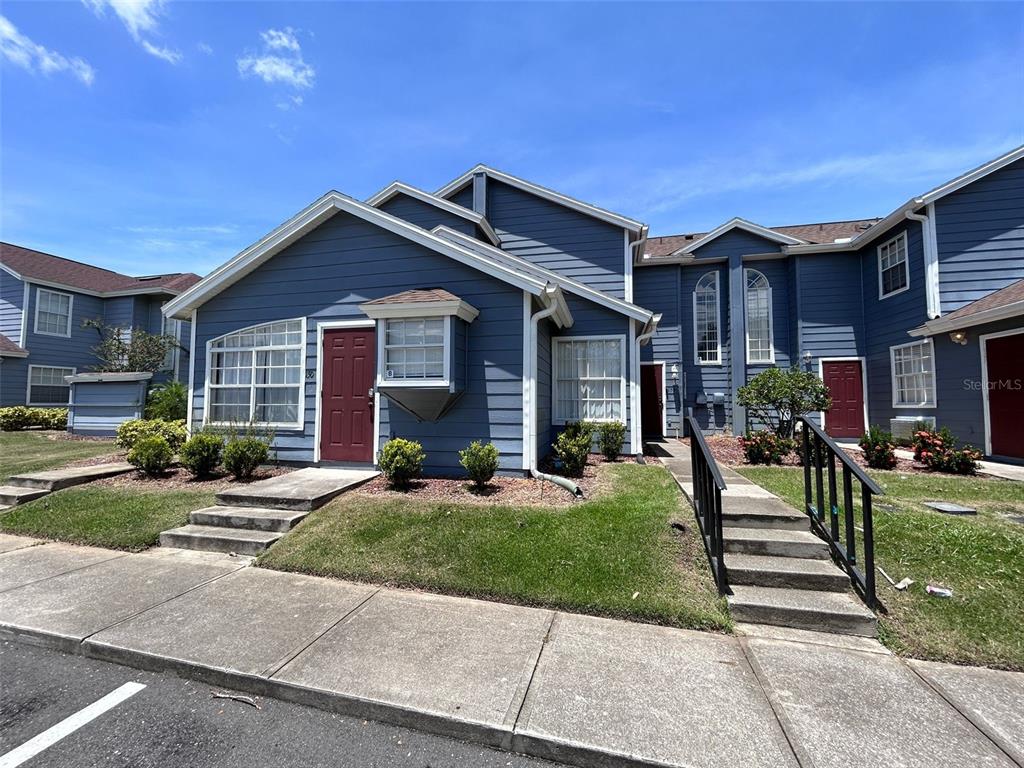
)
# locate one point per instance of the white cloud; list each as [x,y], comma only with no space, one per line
[140,17]
[29,55]
[279,62]
[205,48]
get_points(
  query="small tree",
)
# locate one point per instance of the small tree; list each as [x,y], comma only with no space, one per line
[120,351]
[776,397]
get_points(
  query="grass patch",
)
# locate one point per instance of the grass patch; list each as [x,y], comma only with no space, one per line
[591,557]
[22,452]
[981,557]
[104,517]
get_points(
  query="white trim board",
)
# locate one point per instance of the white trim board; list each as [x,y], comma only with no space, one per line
[664,397]
[530,348]
[951,323]
[983,345]
[401,188]
[321,326]
[192,371]
[863,382]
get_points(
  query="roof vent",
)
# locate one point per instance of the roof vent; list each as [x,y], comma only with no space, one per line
[689,237]
[842,240]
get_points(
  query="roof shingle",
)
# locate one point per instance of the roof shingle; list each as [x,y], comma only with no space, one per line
[9,347]
[416,296]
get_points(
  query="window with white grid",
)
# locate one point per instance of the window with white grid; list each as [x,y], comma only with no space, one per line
[46,385]
[589,379]
[706,339]
[892,266]
[53,312]
[913,374]
[256,376]
[759,318]
[414,349]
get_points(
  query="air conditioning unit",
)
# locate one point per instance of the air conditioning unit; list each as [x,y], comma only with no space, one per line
[902,427]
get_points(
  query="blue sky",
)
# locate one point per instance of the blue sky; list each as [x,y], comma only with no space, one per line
[152,137]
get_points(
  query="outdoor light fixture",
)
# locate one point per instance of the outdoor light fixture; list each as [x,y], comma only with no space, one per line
[958,337]
[674,371]
[807,357]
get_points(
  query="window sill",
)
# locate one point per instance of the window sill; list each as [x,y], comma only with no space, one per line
[48,333]
[884,296]
[437,383]
[917,406]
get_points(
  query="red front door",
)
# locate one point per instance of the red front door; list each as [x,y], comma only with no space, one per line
[346,406]
[846,385]
[1005,362]
[652,398]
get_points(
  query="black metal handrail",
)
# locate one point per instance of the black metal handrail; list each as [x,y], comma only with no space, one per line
[819,454]
[707,502]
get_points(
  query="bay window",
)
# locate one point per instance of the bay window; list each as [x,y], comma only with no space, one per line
[589,378]
[414,349]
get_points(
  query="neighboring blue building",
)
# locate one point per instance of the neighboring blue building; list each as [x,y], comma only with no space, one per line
[498,310]
[44,301]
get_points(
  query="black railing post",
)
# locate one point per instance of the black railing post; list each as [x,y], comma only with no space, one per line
[851,542]
[707,503]
[818,479]
[869,548]
[833,510]
[806,437]
[719,538]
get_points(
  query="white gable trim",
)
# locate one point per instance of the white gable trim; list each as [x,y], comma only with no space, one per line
[401,188]
[738,223]
[311,217]
[971,176]
[548,194]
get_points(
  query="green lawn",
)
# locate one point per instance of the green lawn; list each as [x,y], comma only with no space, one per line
[616,555]
[22,452]
[980,557]
[117,518]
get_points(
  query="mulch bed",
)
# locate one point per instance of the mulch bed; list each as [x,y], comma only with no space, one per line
[727,451]
[178,478]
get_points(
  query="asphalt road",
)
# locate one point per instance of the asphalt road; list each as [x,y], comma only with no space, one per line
[174,722]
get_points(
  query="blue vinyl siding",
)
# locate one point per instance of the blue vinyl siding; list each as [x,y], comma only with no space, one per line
[425,215]
[99,408]
[831,305]
[464,197]
[12,296]
[119,311]
[347,261]
[658,288]
[558,238]
[13,380]
[76,351]
[736,242]
[544,414]
[980,234]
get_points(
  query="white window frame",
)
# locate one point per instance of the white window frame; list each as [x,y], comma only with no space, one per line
[382,333]
[28,386]
[174,353]
[718,321]
[746,318]
[71,312]
[555,341]
[932,401]
[300,420]
[906,264]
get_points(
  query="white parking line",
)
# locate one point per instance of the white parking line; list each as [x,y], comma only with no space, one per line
[68,725]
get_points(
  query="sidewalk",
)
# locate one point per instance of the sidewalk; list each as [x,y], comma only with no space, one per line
[571,688]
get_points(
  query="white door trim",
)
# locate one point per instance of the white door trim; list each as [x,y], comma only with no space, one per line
[863,382]
[983,345]
[664,398]
[321,326]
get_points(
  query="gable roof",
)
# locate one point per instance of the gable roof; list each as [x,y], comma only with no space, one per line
[47,269]
[737,223]
[1000,305]
[453,186]
[401,188]
[311,217]
[10,349]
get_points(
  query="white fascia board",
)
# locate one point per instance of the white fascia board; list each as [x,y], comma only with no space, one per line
[311,217]
[738,223]
[548,194]
[948,323]
[401,188]
[5,353]
[971,176]
[10,271]
[459,308]
[568,284]
[109,376]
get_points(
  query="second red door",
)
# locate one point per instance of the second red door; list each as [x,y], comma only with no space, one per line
[346,408]
[846,385]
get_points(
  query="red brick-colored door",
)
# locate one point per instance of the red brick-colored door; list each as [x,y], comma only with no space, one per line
[1004,358]
[652,399]
[846,385]
[346,406]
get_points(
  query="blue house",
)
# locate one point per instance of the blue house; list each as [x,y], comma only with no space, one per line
[495,309]
[45,299]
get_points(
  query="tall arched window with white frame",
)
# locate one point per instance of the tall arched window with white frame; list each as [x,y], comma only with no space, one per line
[760,348]
[707,341]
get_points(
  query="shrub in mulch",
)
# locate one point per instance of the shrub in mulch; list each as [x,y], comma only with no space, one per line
[879,448]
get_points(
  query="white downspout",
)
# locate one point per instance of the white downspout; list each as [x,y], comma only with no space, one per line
[931,260]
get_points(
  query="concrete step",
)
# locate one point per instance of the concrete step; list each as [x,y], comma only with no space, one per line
[755,516]
[303,490]
[56,479]
[776,543]
[214,539]
[786,572]
[253,518]
[11,495]
[841,613]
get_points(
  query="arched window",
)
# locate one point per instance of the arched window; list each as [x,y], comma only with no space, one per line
[255,375]
[759,318]
[706,338]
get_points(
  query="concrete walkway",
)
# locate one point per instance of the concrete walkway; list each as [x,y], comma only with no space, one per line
[20,489]
[992,468]
[577,689]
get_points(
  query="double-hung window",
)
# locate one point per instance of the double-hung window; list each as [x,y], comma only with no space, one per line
[46,385]
[53,312]
[913,375]
[760,348]
[706,338]
[255,376]
[414,349]
[589,378]
[893,276]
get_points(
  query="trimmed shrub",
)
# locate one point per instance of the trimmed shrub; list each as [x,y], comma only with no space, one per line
[480,462]
[152,455]
[401,461]
[243,456]
[937,450]
[609,437]
[15,418]
[777,396]
[928,440]
[201,453]
[18,417]
[765,447]
[879,448]
[168,401]
[572,446]
[130,432]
